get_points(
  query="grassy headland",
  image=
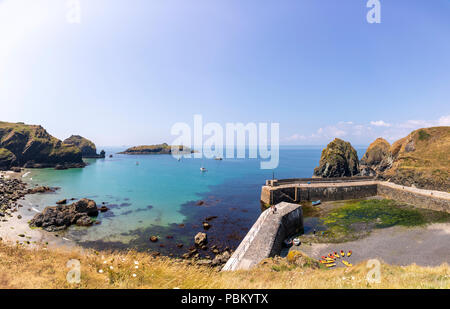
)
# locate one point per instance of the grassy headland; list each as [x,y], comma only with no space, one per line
[42,268]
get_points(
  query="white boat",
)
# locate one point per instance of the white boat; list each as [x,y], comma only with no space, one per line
[202,169]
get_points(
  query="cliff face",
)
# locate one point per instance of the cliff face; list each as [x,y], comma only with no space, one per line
[377,158]
[31,146]
[422,159]
[339,159]
[88,148]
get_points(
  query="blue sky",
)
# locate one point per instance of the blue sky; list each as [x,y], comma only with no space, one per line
[131,69]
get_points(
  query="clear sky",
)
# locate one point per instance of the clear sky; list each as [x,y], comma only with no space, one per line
[131,69]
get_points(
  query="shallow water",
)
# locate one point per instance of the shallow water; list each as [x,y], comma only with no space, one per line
[159,196]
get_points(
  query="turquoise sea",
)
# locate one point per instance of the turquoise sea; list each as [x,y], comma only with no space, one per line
[159,196]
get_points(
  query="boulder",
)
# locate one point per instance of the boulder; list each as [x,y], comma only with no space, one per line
[61,202]
[221,258]
[206,225]
[200,239]
[41,189]
[339,159]
[153,239]
[55,218]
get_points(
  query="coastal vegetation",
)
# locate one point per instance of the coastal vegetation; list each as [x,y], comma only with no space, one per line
[47,268]
[24,145]
[422,159]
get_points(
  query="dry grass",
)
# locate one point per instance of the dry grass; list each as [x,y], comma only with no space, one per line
[42,268]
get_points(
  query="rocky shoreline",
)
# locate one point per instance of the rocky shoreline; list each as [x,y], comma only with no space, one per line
[45,225]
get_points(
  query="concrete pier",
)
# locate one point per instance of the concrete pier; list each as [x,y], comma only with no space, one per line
[265,238]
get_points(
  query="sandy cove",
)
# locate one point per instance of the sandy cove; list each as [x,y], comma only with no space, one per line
[17,224]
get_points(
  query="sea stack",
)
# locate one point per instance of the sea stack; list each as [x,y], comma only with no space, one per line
[339,159]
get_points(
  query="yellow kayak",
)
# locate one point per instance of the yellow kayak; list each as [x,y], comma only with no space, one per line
[330,265]
[342,253]
[346,263]
[349,253]
[336,255]
[326,262]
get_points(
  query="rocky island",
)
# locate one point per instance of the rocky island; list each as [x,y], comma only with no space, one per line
[31,146]
[87,147]
[156,149]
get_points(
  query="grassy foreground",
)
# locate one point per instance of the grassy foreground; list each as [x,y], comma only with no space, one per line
[42,268]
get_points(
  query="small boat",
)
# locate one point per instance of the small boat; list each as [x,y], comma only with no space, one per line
[137,163]
[315,203]
[330,265]
[342,253]
[347,263]
[349,253]
[296,241]
[331,256]
[336,255]
[202,169]
[218,158]
[287,243]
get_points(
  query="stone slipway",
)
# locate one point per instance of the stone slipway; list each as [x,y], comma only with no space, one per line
[265,238]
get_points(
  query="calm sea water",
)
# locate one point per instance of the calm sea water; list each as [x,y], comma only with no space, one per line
[160,195]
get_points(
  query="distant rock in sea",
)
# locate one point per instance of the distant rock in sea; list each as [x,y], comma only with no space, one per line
[31,146]
[156,149]
[339,159]
[87,147]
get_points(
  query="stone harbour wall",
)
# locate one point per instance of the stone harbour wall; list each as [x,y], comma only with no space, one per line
[265,238]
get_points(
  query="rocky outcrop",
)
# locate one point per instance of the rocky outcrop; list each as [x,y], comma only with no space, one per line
[87,147]
[56,218]
[156,149]
[339,159]
[421,159]
[377,158]
[11,190]
[7,159]
[30,146]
